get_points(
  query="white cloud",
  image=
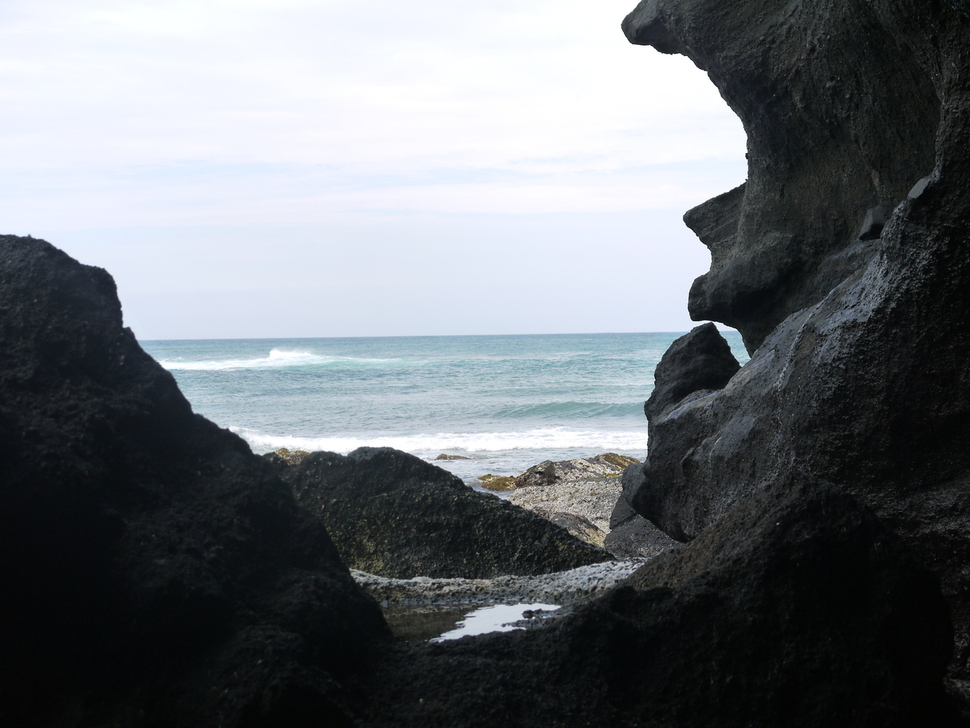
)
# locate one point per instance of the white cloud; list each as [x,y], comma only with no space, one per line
[126,113]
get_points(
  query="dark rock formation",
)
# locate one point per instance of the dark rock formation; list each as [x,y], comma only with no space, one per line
[393,514]
[799,609]
[841,102]
[154,571]
[861,373]
[699,361]
[633,535]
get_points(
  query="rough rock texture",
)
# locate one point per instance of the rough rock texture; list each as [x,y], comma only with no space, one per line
[547,472]
[860,373]
[559,587]
[393,514]
[154,571]
[633,535]
[591,499]
[842,103]
[701,360]
[797,609]
[578,495]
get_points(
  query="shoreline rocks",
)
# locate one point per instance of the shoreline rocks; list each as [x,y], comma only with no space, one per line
[858,373]
[557,587]
[585,496]
[393,514]
[798,609]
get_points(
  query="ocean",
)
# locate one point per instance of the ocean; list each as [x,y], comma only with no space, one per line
[503,402]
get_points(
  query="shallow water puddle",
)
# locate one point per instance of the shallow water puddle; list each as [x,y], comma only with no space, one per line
[498,618]
[438,624]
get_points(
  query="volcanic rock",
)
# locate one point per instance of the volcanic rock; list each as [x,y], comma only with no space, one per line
[632,535]
[154,571]
[392,514]
[859,371]
[605,465]
[798,608]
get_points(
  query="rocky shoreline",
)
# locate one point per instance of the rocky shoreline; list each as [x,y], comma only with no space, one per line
[156,573]
[562,587]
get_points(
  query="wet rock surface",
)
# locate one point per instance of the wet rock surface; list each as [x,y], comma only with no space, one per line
[559,588]
[393,514]
[154,571]
[799,608]
[843,261]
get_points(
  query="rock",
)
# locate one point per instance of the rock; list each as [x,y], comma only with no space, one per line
[699,361]
[561,587]
[538,475]
[858,374]
[395,515]
[817,159]
[445,456]
[579,526]
[578,495]
[798,608]
[288,457]
[155,572]
[637,537]
[592,501]
[497,482]
[632,535]
[605,465]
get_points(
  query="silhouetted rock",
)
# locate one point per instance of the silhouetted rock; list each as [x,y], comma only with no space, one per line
[819,158]
[393,514]
[798,608]
[154,571]
[858,374]
[699,361]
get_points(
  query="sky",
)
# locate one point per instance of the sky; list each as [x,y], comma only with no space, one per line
[301,168]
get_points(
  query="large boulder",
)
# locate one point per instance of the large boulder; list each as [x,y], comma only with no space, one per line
[798,608]
[392,514]
[844,263]
[154,571]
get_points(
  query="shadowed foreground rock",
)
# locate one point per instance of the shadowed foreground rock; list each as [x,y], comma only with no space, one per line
[392,514]
[798,609]
[844,261]
[154,571]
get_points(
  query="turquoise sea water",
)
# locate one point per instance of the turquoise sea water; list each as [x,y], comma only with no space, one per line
[504,402]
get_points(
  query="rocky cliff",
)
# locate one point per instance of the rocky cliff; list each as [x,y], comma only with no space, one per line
[844,260]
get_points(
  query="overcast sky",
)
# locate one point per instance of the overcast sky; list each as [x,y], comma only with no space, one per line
[277,168]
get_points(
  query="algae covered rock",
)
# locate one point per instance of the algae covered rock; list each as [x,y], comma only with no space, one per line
[393,514]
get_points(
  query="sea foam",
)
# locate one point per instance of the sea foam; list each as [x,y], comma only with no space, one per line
[276,359]
[549,438]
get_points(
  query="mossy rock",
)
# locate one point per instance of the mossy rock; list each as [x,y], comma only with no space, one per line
[393,514]
[497,482]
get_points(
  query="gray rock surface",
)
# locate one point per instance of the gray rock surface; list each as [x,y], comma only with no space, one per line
[557,587]
[859,371]
[798,609]
[842,103]
[579,495]
[393,514]
[605,465]
[590,499]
